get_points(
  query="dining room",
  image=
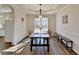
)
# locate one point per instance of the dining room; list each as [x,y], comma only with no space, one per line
[39,29]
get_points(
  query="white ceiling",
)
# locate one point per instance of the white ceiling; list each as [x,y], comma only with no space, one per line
[34,8]
[46,8]
[5,9]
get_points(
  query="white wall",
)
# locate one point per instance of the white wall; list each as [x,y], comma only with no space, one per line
[2,30]
[14,30]
[51,21]
[70,30]
[9,30]
[8,25]
[19,26]
[30,22]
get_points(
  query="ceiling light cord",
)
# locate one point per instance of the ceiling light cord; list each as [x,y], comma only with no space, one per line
[40,9]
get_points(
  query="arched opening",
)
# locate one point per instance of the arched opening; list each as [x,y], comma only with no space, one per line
[6,24]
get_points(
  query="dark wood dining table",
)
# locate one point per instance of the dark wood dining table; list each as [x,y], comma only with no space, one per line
[42,36]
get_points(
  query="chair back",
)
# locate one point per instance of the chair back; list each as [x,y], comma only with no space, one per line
[30,32]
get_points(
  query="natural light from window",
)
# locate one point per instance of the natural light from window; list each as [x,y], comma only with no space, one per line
[41,25]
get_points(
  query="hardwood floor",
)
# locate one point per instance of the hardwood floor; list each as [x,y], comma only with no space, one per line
[55,49]
[3,44]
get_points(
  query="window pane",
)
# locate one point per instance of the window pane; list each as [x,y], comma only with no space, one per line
[36,23]
[44,24]
[41,24]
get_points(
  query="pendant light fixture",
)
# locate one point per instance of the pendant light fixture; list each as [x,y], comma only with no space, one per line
[40,16]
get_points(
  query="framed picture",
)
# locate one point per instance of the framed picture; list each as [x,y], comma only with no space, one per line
[65,19]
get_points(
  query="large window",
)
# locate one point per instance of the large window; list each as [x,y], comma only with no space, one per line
[41,24]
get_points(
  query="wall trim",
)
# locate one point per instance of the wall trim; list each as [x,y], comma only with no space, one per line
[71,33]
[74,52]
[23,39]
[74,36]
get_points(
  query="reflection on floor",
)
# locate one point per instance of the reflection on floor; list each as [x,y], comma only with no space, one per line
[55,49]
[3,44]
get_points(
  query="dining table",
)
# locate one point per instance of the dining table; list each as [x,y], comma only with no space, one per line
[43,40]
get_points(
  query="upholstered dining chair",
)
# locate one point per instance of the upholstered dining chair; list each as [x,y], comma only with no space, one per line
[29,33]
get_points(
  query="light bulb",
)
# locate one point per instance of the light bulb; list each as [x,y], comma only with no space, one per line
[40,16]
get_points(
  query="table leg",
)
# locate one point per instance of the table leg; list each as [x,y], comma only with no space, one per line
[48,44]
[31,44]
